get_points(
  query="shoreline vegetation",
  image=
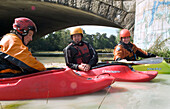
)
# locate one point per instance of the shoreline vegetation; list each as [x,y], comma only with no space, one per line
[55,42]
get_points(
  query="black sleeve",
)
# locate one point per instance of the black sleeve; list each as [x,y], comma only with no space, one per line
[140,54]
[151,55]
[68,54]
[94,57]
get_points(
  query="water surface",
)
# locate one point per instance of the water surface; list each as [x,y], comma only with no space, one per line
[122,95]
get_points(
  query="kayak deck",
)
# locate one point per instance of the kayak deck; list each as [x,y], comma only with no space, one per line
[161,68]
[121,73]
[51,83]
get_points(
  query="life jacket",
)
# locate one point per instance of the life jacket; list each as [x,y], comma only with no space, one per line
[132,50]
[83,55]
[124,52]
[7,67]
[17,54]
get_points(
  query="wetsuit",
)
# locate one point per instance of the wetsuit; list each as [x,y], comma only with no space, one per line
[82,52]
[129,52]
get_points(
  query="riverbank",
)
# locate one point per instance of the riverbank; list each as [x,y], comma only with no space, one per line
[43,54]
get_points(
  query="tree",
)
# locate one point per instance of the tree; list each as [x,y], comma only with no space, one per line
[112,39]
[58,40]
[118,37]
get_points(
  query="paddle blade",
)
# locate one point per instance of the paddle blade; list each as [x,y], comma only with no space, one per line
[155,60]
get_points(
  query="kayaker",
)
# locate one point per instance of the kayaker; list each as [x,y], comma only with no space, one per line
[127,51]
[80,55]
[15,57]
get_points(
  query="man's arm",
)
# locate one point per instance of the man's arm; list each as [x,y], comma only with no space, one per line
[94,57]
[69,58]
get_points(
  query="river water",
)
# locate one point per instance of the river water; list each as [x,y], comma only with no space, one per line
[122,95]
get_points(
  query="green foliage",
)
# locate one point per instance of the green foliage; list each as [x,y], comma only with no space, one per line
[55,41]
[118,36]
[160,49]
[58,40]
[101,41]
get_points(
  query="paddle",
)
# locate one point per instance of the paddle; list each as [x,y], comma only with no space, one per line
[155,60]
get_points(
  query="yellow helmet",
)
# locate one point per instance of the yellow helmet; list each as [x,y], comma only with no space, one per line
[77,30]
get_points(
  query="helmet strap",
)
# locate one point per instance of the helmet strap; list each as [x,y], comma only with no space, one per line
[21,36]
[23,40]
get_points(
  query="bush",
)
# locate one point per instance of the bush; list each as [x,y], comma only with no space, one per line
[159,49]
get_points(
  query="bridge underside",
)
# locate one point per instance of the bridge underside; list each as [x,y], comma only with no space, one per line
[48,17]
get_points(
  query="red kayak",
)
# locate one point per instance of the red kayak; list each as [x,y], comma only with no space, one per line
[51,83]
[121,73]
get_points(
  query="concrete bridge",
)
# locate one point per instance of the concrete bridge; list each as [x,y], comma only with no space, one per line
[53,15]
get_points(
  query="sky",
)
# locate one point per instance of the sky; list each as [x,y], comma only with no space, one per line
[92,29]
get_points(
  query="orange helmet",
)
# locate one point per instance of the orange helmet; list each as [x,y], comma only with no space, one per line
[124,33]
[77,30]
[22,25]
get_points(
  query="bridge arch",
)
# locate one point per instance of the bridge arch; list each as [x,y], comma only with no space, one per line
[53,15]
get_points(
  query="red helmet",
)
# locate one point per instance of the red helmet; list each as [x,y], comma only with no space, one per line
[22,25]
[124,33]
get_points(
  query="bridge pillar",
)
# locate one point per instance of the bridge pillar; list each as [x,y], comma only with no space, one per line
[152,22]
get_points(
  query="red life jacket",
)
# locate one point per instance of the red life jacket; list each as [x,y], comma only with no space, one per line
[83,54]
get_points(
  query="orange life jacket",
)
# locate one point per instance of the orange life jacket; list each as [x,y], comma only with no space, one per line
[124,52]
[14,51]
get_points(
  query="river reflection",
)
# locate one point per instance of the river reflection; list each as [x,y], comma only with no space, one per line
[46,60]
[60,59]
